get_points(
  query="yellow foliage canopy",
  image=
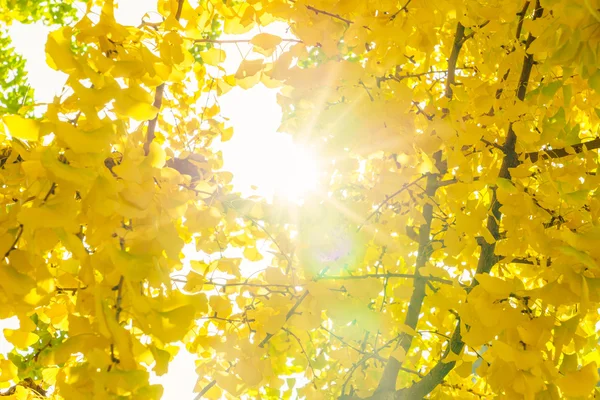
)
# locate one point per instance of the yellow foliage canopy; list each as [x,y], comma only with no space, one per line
[454,252]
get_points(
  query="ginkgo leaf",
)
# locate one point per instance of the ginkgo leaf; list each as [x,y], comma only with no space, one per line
[221,306]
[213,56]
[8,371]
[579,383]
[96,141]
[248,73]
[136,103]
[162,359]
[20,339]
[265,43]
[194,282]
[249,371]
[121,337]
[22,128]
[59,55]
[594,81]
[157,155]
[172,325]
[64,172]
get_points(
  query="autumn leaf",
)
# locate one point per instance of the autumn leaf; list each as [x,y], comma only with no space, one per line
[265,43]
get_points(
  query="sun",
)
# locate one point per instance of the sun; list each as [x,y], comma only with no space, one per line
[274,166]
[264,161]
[298,175]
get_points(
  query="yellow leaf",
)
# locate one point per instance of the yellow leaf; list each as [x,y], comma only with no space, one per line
[265,43]
[582,256]
[162,358]
[229,382]
[120,336]
[14,282]
[60,171]
[8,371]
[220,305]
[134,102]
[497,287]
[134,267]
[579,383]
[172,325]
[248,74]
[96,141]
[22,128]
[248,370]
[213,56]
[465,369]
[275,276]
[252,254]
[194,282]
[157,155]
[58,50]
[19,339]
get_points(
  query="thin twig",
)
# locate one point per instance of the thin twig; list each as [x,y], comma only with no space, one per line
[288,316]
[388,198]
[301,348]
[14,244]
[158,96]
[236,41]
[388,276]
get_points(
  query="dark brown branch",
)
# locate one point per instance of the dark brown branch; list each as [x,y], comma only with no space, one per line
[158,96]
[456,47]
[332,15]
[26,383]
[14,244]
[521,15]
[51,191]
[151,133]
[387,383]
[487,257]
[470,35]
[534,156]
[119,289]
[404,8]
[329,14]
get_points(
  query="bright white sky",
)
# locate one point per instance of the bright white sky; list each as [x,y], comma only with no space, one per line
[257,155]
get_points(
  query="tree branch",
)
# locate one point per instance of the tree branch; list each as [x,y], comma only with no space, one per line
[158,96]
[26,383]
[487,257]
[14,244]
[332,15]
[534,156]
[387,384]
[235,41]
[287,316]
[388,198]
[388,276]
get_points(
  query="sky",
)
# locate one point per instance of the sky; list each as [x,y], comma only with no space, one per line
[261,159]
